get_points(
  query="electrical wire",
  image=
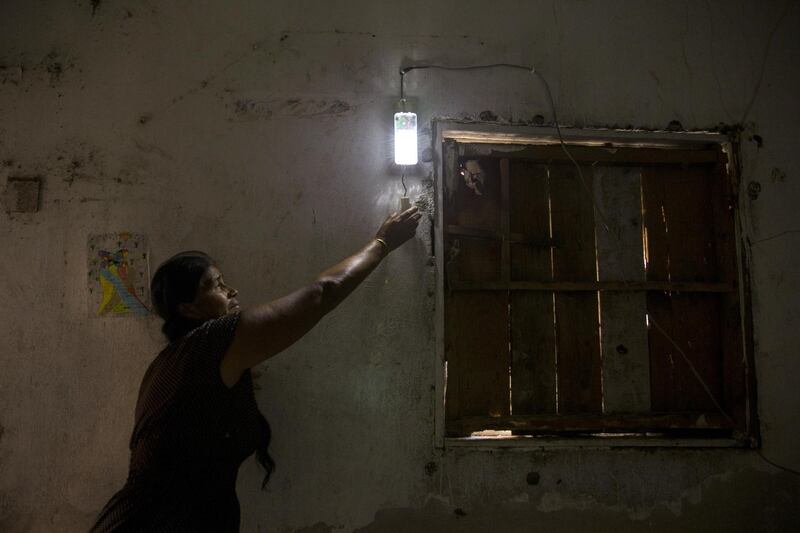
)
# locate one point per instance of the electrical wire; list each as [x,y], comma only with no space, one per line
[406,70]
[597,209]
[776,465]
[694,371]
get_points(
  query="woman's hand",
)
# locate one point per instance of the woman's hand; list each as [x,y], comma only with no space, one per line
[398,228]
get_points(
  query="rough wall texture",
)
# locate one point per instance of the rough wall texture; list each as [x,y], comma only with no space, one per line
[261,132]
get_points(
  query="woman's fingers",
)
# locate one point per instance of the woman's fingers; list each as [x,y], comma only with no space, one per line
[409,212]
[400,227]
[414,219]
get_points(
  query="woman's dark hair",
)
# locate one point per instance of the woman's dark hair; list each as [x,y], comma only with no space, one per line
[175,282]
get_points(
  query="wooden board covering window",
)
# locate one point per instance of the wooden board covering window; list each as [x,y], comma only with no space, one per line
[476,347]
[623,326]
[680,245]
[533,367]
[604,300]
[577,335]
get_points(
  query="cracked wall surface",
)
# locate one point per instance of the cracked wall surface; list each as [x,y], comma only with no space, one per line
[260,132]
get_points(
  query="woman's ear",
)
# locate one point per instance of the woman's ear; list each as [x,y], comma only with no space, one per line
[189,310]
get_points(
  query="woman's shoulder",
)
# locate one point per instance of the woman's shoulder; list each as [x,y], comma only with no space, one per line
[201,348]
[216,326]
[211,334]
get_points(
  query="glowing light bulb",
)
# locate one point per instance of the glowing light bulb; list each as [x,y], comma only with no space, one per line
[405,138]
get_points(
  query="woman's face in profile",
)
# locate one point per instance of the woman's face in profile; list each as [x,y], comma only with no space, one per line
[213,298]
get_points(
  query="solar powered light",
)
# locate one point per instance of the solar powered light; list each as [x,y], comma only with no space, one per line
[405,138]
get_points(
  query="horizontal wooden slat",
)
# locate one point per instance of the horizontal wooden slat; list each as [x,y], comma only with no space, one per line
[589,154]
[463,231]
[478,233]
[472,261]
[661,286]
[590,422]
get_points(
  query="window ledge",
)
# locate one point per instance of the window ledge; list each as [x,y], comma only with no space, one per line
[601,443]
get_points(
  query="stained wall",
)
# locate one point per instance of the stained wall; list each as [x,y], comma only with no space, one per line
[261,133]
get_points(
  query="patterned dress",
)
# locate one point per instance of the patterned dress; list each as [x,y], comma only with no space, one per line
[190,435]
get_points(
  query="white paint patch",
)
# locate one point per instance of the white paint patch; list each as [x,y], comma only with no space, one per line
[523,497]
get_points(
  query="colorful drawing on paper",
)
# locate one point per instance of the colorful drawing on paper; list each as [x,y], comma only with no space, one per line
[119,274]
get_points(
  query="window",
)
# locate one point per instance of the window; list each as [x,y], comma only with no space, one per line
[601,302]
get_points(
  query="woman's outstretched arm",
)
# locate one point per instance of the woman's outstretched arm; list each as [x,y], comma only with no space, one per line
[266,330]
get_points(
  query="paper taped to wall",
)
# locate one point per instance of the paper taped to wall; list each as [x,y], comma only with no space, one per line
[118,274]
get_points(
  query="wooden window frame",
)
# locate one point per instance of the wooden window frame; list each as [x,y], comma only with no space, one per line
[620,146]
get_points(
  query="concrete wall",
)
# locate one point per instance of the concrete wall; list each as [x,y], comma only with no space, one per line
[261,133]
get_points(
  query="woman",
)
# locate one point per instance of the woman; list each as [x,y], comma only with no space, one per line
[196,416]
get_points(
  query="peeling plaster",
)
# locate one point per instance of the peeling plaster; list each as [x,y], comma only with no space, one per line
[250,109]
[722,502]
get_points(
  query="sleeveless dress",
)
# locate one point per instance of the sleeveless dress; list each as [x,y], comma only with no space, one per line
[190,435]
